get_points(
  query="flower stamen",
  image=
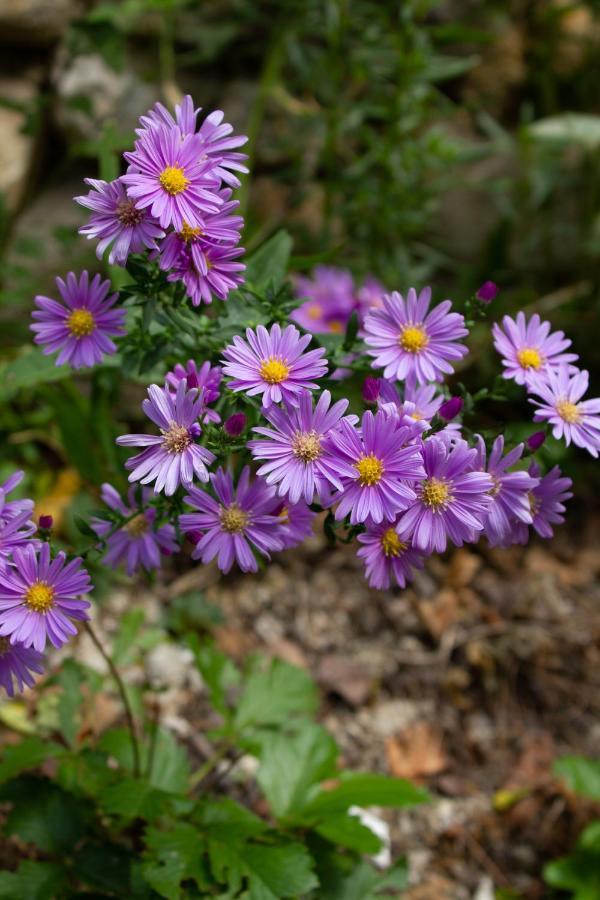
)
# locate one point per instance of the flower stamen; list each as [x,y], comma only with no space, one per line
[306,445]
[40,597]
[273,370]
[81,323]
[233,519]
[391,544]
[530,358]
[435,493]
[173,180]
[176,439]
[370,470]
[569,412]
[413,338]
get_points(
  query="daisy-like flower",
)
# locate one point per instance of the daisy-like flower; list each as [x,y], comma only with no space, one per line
[223,274]
[173,457]
[452,500]
[9,508]
[377,467]
[168,175]
[510,493]
[528,349]
[138,543]
[369,296]
[561,405]
[220,229]
[39,596]
[273,363]
[300,461]
[295,522]
[17,663]
[420,404]
[16,529]
[239,520]
[331,300]
[81,327]
[217,141]
[407,341]
[116,221]
[547,504]
[387,559]
[205,377]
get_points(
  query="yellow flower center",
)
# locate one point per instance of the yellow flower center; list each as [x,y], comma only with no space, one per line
[530,358]
[413,338]
[40,597]
[370,470]
[315,311]
[306,445]
[391,543]
[137,526]
[273,370]
[569,412]
[336,327]
[81,323]
[417,416]
[284,516]
[233,519]
[435,493]
[173,180]
[176,439]
[127,214]
[188,234]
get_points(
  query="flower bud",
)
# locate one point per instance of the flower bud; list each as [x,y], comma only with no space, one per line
[535,440]
[235,424]
[46,522]
[487,292]
[370,389]
[194,537]
[451,408]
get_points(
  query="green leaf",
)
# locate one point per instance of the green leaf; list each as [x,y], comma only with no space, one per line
[28,370]
[33,881]
[172,857]
[43,814]
[274,692]
[579,873]
[218,672]
[582,775]
[224,819]
[103,866]
[291,765]
[345,830]
[170,769]
[589,838]
[366,789]
[270,262]
[132,798]
[363,882]
[72,415]
[271,872]
[70,700]
[29,754]
[129,627]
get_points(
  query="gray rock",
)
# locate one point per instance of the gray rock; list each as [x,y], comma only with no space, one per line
[17,149]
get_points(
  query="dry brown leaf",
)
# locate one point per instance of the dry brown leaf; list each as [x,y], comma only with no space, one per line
[439,613]
[415,752]
[345,677]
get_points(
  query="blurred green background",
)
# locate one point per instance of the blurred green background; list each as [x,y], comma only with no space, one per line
[423,142]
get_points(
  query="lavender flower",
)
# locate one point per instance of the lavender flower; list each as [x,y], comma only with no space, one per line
[548,499]
[387,559]
[369,296]
[8,508]
[233,524]
[295,522]
[17,663]
[273,363]
[510,491]
[138,542]
[528,348]
[452,500]
[376,467]
[16,530]
[116,221]
[81,327]
[331,301]
[222,275]
[207,378]
[215,136]
[169,175]
[299,458]
[561,405]
[38,597]
[409,342]
[219,229]
[173,457]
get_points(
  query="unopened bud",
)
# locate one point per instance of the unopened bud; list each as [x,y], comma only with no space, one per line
[235,424]
[451,408]
[535,440]
[487,292]
[371,389]
[46,522]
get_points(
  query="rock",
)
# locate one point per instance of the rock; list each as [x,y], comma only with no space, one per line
[392,716]
[34,23]
[168,665]
[119,97]
[17,149]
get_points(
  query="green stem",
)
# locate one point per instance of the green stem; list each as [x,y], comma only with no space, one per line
[125,699]
[201,773]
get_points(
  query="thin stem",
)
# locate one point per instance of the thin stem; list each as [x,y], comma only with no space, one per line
[201,773]
[122,691]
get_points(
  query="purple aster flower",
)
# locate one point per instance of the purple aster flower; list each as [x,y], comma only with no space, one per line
[234,523]
[217,142]
[273,363]
[207,377]
[138,542]
[370,296]
[331,301]
[168,174]
[81,327]
[38,597]
[377,467]
[173,457]
[409,342]
[220,228]
[295,522]
[452,500]
[528,348]
[510,491]
[8,508]
[17,663]
[547,504]
[223,274]
[16,530]
[300,460]
[387,559]
[561,405]
[116,221]
[487,292]
[406,411]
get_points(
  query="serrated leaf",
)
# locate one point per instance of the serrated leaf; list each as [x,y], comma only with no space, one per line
[170,769]
[104,866]
[291,765]
[226,819]
[273,693]
[132,798]
[32,881]
[366,789]
[270,872]
[579,873]
[581,774]
[29,754]
[217,670]
[43,814]
[363,882]
[173,857]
